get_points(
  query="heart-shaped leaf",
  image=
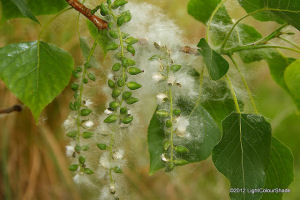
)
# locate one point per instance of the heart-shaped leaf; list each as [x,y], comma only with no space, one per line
[36,72]
[243,153]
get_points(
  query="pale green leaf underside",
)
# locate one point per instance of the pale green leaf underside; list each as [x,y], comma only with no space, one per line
[243,153]
[37,7]
[292,78]
[35,72]
[280,172]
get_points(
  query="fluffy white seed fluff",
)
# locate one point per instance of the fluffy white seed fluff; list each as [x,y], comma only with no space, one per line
[182,123]
[70,150]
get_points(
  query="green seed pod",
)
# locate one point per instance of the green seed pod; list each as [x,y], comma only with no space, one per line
[170,167]
[110,25]
[121,82]
[131,49]
[78,69]
[102,146]
[74,86]
[175,68]
[162,113]
[71,106]
[113,34]
[126,95]
[85,112]
[85,147]
[177,112]
[167,144]
[123,110]
[181,149]
[114,105]
[77,148]
[88,171]
[111,118]
[133,85]
[180,162]
[118,3]
[115,93]
[116,67]
[124,18]
[87,65]
[108,2]
[104,9]
[117,170]
[87,135]
[127,119]
[77,105]
[127,62]
[134,70]
[85,80]
[131,40]
[168,124]
[119,56]
[91,76]
[72,134]
[111,83]
[112,46]
[73,167]
[132,100]
[81,160]
[75,74]
[125,35]
[155,57]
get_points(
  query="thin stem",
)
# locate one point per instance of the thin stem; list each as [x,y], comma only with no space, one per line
[290,42]
[252,47]
[245,84]
[271,36]
[171,119]
[81,90]
[236,103]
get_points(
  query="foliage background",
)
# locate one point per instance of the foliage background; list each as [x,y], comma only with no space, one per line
[32,160]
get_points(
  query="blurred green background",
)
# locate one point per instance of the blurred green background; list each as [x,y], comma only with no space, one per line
[32,159]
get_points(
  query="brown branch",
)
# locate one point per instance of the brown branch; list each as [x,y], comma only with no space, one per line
[99,23]
[15,108]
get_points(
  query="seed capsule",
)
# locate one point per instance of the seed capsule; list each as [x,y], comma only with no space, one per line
[134,70]
[127,120]
[78,69]
[131,49]
[85,80]
[177,112]
[114,105]
[102,146]
[175,68]
[111,83]
[72,134]
[74,86]
[133,85]
[77,148]
[73,167]
[117,170]
[85,148]
[91,76]
[111,118]
[170,167]
[125,35]
[88,171]
[180,162]
[116,67]
[162,113]
[103,9]
[126,95]
[113,34]
[181,149]
[132,100]
[81,160]
[124,18]
[85,112]
[131,40]
[168,124]
[128,62]
[123,110]
[118,3]
[112,46]
[167,145]
[121,82]
[87,135]
[108,2]
[75,74]
[115,93]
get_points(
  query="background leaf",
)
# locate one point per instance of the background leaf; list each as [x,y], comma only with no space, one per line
[202,9]
[216,65]
[37,7]
[292,78]
[24,9]
[286,11]
[243,153]
[280,172]
[35,72]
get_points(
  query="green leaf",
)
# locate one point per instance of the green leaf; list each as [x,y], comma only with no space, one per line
[216,65]
[101,36]
[202,135]
[275,10]
[24,9]
[292,78]
[202,9]
[280,172]
[243,153]
[36,72]
[37,7]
